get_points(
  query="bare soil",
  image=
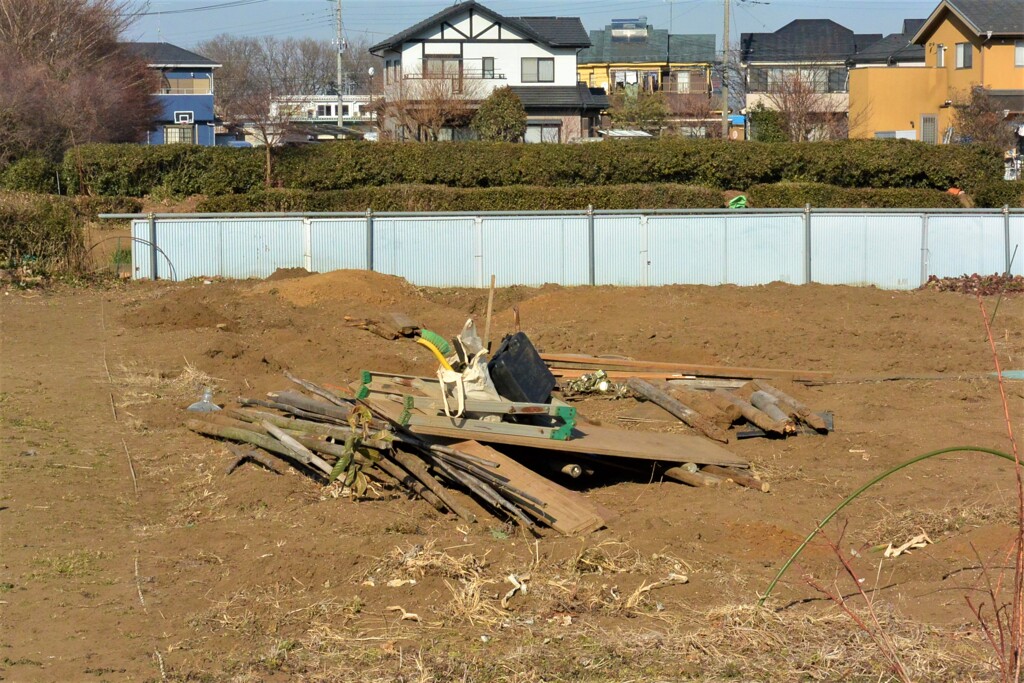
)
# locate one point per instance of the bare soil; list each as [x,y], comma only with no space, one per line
[129,555]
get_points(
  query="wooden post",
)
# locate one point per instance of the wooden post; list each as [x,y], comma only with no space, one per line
[685,413]
[736,477]
[767,404]
[795,407]
[752,414]
[699,401]
[416,467]
[693,478]
[490,309]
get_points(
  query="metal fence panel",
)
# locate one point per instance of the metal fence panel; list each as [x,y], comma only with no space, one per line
[534,250]
[190,248]
[618,247]
[1017,242]
[687,250]
[337,244]
[434,252]
[857,249]
[966,243]
[764,248]
[258,247]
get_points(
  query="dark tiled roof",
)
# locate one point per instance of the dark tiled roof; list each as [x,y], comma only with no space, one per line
[167,54]
[558,31]
[998,16]
[552,31]
[805,40]
[684,48]
[577,96]
[895,47]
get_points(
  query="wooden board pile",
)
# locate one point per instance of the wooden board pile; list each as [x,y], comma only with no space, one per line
[390,431]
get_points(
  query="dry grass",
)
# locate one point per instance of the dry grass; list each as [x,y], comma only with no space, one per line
[896,526]
[137,386]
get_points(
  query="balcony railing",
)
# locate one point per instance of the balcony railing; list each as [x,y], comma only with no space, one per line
[466,75]
[183,91]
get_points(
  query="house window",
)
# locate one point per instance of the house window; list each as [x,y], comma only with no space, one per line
[538,70]
[488,67]
[1018,53]
[543,132]
[940,57]
[327,110]
[964,56]
[179,135]
[441,67]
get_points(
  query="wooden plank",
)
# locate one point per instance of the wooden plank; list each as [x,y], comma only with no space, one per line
[593,440]
[617,364]
[565,511]
[415,421]
[686,380]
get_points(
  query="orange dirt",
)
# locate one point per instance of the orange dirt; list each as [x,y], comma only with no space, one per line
[203,576]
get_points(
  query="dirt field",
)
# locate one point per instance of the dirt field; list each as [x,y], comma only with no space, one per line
[129,555]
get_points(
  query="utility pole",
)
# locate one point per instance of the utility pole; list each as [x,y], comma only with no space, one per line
[341,74]
[725,74]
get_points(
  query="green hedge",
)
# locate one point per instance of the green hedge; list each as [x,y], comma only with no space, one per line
[440,198]
[41,231]
[30,174]
[134,170]
[796,195]
[170,170]
[89,207]
[999,193]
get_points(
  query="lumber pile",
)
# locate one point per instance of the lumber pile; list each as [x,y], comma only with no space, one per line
[710,399]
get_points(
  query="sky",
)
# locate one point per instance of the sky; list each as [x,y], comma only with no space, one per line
[187,22]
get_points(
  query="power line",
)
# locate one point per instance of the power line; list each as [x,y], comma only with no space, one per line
[202,8]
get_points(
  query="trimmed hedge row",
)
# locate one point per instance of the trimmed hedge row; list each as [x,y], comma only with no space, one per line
[440,198]
[182,170]
[796,195]
[999,193]
[169,170]
[30,174]
[44,231]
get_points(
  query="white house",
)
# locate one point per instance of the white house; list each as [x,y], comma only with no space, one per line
[465,51]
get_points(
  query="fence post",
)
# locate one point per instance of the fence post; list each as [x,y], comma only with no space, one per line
[307,244]
[152,243]
[591,246]
[1006,238]
[924,249]
[369,239]
[807,244]
[645,254]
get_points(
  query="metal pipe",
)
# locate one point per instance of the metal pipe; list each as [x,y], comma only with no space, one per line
[807,244]
[153,247]
[592,247]
[369,239]
[1006,237]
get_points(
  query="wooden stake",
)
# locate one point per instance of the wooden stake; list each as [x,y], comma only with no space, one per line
[736,477]
[416,467]
[699,401]
[490,309]
[693,478]
[766,403]
[683,412]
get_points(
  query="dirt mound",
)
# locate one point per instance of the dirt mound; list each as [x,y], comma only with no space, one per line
[181,310]
[340,286]
[288,274]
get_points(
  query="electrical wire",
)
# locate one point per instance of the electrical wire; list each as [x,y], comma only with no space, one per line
[202,8]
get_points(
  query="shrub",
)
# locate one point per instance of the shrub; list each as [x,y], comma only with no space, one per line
[91,207]
[174,170]
[43,232]
[440,198]
[999,193]
[818,195]
[30,174]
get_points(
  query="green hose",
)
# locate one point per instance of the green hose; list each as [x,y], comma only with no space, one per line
[438,341]
[853,496]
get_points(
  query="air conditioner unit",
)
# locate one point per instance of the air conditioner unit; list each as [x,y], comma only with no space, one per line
[184,117]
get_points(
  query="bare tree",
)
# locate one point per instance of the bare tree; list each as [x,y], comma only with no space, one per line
[806,110]
[980,119]
[420,108]
[66,79]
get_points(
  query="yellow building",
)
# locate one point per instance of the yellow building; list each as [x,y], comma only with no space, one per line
[967,44]
[632,54]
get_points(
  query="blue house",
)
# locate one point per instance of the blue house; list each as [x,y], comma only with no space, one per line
[185,94]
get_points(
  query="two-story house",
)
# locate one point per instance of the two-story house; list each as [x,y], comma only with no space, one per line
[631,53]
[185,94]
[966,44]
[802,65]
[438,71]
